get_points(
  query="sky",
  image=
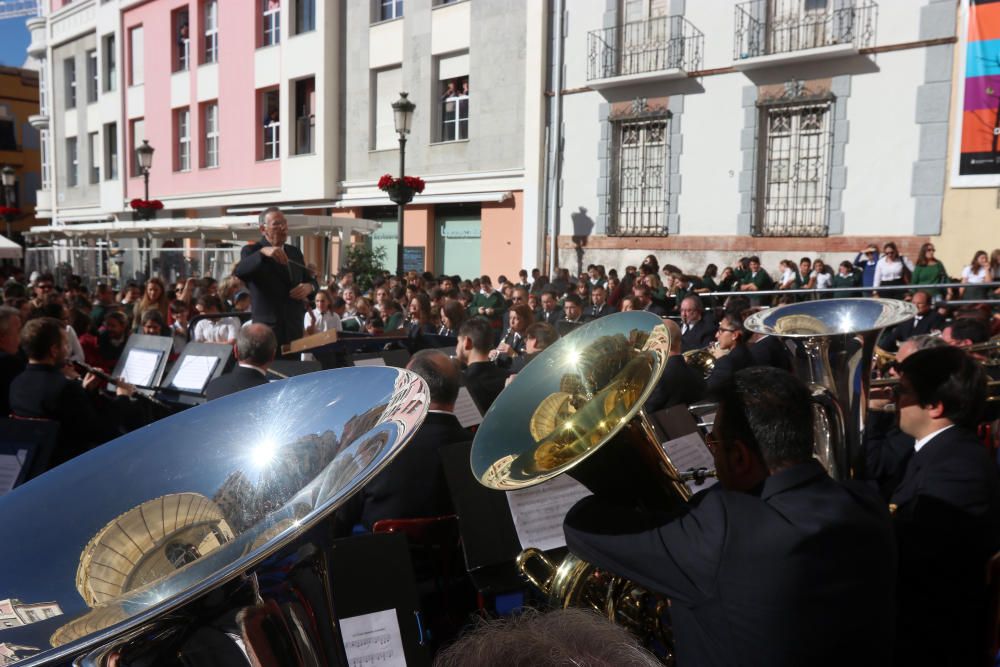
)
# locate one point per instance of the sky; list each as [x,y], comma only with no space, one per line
[14,40]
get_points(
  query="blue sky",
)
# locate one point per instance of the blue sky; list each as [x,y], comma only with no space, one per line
[13,42]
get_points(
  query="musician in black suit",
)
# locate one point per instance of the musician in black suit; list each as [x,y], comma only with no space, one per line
[732,354]
[645,300]
[484,379]
[255,348]
[927,320]
[947,511]
[679,384]
[551,312]
[696,330]
[277,278]
[599,306]
[413,485]
[572,315]
[777,564]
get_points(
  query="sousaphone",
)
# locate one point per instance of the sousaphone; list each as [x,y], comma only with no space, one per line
[123,555]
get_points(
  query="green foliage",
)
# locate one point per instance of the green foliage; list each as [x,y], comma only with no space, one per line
[366,264]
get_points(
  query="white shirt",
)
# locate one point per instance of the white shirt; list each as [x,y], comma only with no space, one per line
[222,330]
[927,438]
[978,276]
[887,270]
[823,280]
[788,277]
[75,349]
[328,321]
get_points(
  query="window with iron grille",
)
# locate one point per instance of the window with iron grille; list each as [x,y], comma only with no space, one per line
[639,190]
[793,187]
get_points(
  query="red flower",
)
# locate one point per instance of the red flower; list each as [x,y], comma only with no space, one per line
[385,182]
[414,183]
[9,210]
[153,204]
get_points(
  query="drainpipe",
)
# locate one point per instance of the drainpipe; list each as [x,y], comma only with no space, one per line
[554,166]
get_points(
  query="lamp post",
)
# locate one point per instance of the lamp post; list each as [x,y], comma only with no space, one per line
[144,154]
[402,114]
[8,176]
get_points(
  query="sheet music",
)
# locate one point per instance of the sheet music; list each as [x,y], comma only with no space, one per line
[538,511]
[140,367]
[373,639]
[689,451]
[374,361]
[194,373]
[466,410]
[10,469]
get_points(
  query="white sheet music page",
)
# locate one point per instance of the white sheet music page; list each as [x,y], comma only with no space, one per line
[538,511]
[689,451]
[140,367]
[373,639]
[194,373]
[465,409]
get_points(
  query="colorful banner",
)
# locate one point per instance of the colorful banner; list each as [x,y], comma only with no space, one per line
[977,158]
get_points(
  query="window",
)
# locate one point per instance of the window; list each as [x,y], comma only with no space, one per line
[110,62]
[305,115]
[94,145]
[43,92]
[137,134]
[385,91]
[211,32]
[453,92]
[793,188]
[210,121]
[271,22]
[389,9]
[182,129]
[135,53]
[72,163]
[43,138]
[305,16]
[69,76]
[92,76]
[110,151]
[270,138]
[182,39]
[8,129]
[639,182]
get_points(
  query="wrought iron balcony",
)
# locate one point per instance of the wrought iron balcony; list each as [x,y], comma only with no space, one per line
[653,49]
[773,27]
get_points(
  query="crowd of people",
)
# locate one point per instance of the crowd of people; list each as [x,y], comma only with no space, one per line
[778,561]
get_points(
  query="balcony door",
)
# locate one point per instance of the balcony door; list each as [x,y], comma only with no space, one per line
[644,33]
[795,25]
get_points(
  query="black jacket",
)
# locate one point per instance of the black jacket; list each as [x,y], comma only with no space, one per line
[485,380]
[698,336]
[238,379]
[593,312]
[550,317]
[679,384]
[727,366]
[413,485]
[801,575]
[933,321]
[269,283]
[947,525]
[771,351]
[11,365]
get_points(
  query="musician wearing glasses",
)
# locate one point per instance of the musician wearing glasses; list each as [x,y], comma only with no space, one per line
[696,331]
[946,511]
[731,352]
[276,275]
[777,564]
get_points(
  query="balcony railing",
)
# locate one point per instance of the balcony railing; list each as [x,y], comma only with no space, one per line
[643,47]
[769,27]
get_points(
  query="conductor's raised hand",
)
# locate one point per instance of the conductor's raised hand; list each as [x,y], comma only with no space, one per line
[301,291]
[276,253]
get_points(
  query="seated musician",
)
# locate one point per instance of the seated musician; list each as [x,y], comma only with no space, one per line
[484,379]
[696,331]
[413,485]
[732,353]
[679,384]
[44,391]
[777,564]
[255,348]
[947,511]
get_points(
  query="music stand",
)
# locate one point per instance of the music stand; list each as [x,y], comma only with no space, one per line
[26,446]
[199,364]
[293,367]
[143,361]
[393,358]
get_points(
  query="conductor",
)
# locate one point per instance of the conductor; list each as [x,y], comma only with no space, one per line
[276,274]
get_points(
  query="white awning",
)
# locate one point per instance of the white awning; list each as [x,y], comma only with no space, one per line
[455,198]
[225,227]
[9,249]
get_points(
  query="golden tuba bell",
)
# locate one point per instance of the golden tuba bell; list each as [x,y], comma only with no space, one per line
[578,409]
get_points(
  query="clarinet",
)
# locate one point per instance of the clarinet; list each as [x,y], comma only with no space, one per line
[87,368]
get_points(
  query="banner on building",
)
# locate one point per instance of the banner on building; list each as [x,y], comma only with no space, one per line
[976,160]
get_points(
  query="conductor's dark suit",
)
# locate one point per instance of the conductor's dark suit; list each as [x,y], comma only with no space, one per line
[679,384]
[269,283]
[698,335]
[239,379]
[413,485]
[947,525]
[801,575]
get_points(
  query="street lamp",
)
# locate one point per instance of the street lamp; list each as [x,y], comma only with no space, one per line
[402,114]
[8,177]
[144,154]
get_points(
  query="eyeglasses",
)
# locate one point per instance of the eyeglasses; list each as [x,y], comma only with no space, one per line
[931,250]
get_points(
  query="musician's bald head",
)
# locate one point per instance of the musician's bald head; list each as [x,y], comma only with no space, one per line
[256,345]
[441,375]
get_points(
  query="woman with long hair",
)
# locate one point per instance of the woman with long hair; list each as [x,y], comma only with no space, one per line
[995,268]
[892,269]
[322,318]
[928,270]
[153,298]
[452,317]
[421,320]
[978,271]
[514,339]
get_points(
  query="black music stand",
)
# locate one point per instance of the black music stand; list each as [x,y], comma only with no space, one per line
[671,423]
[293,367]
[393,358]
[201,363]
[373,573]
[26,446]
[144,360]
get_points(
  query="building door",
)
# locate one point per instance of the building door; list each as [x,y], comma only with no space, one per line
[457,243]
